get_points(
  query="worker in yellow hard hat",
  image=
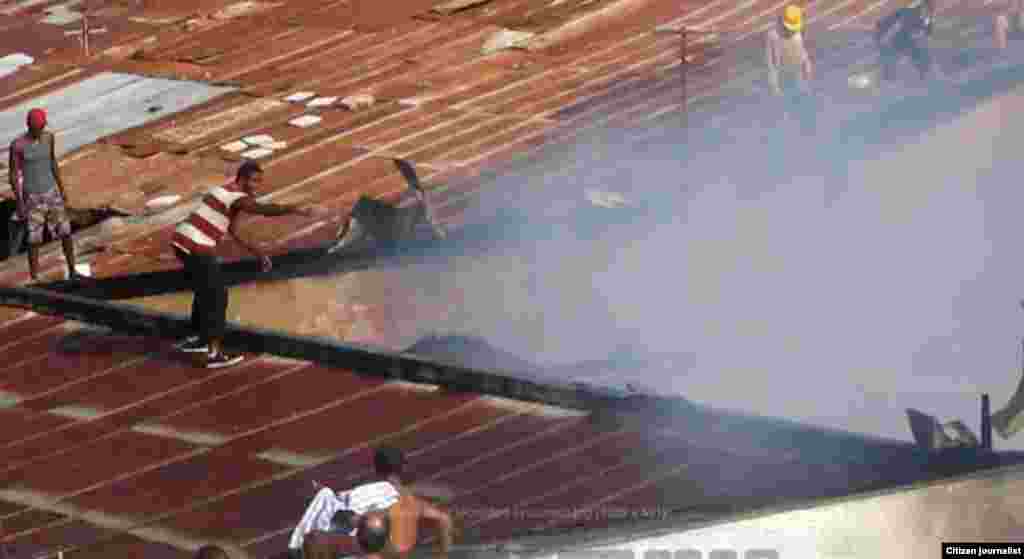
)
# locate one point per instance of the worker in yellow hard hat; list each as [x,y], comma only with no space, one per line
[793,18]
[790,70]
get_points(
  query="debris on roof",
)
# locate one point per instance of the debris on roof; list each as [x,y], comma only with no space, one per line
[456,6]
[12,62]
[507,39]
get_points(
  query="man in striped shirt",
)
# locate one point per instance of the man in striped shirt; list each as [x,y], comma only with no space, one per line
[195,242]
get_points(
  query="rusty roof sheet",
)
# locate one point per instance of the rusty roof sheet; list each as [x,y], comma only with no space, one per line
[230,454]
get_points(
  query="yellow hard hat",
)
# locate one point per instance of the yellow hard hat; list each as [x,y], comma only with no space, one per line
[793,18]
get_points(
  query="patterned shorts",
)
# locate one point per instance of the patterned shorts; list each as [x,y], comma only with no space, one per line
[46,212]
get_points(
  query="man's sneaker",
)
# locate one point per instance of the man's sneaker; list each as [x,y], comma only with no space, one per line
[193,344]
[218,360]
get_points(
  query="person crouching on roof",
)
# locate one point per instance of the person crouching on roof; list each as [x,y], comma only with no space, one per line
[39,191]
[790,70]
[376,221]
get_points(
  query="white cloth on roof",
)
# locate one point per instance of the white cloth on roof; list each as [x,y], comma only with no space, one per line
[327,503]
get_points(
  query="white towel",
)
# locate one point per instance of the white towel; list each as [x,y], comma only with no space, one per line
[371,496]
[326,503]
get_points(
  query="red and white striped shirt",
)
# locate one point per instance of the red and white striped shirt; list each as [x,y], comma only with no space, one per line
[203,230]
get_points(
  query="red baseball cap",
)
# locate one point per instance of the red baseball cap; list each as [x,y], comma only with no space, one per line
[37,118]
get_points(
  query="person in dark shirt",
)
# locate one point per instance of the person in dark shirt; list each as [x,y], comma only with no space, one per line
[905,32]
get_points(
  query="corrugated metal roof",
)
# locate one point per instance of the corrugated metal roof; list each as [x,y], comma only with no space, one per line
[106,104]
[169,455]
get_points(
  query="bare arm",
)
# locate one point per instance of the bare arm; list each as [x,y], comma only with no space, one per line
[808,65]
[444,524]
[773,69]
[56,167]
[249,205]
[14,176]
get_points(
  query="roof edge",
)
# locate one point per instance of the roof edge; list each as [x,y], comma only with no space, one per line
[361,359]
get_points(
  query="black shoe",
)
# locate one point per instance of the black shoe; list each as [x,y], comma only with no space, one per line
[218,360]
[193,344]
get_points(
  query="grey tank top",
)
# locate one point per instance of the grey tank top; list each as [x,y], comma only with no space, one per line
[38,167]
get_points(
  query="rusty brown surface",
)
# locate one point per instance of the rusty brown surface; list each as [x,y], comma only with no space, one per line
[475,111]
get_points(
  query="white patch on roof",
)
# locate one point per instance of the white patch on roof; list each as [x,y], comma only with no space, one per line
[299,96]
[259,140]
[83,413]
[321,101]
[193,437]
[305,121]
[288,458]
[19,6]
[105,104]
[9,399]
[605,199]
[9,64]
[61,14]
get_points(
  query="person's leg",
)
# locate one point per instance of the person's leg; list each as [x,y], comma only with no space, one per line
[805,105]
[36,221]
[60,225]
[194,342]
[922,59]
[890,56]
[215,315]
[1001,31]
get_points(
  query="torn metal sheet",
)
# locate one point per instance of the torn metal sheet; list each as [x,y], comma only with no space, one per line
[105,104]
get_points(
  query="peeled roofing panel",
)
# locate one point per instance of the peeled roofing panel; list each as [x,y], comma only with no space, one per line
[104,104]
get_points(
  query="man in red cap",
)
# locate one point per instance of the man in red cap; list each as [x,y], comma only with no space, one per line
[39,191]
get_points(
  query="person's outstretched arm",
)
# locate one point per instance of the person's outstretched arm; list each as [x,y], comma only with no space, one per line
[250,205]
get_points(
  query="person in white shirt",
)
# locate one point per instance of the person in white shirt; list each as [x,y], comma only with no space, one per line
[790,70]
[332,519]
